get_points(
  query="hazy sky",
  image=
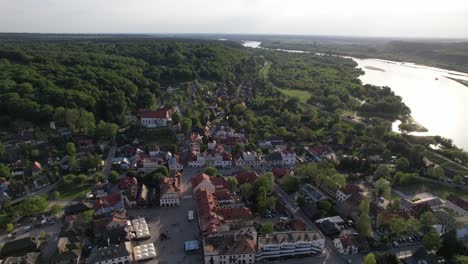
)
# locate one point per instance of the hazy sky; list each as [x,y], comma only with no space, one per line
[406,18]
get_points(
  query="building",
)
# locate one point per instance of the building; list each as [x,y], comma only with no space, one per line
[352,191]
[288,157]
[249,158]
[231,247]
[458,205]
[113,254]
[144,252]
[320,153]
[286,244]
[274,159]
[20,247]
[346,245]
[158,118]
[170,192]
[247,177]
[202,181]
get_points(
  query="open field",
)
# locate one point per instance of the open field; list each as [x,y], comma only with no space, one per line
[78,192]
[446,164]
[303,96]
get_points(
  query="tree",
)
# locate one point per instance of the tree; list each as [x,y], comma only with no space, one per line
[176,118]
[402,164]
[301,201]
[211,171]
[363,224]
[324,205]
[266,181]
[2,149]
[290,184]
[458,179]
[383,171]
[431,241]
[99,177]
[460,259]
[88,216]
[370,259]
[382,188]
[428,219]
[55,209]
[114,177]
[162,170]
[266,229]
[71,149]
[33,205]
[10,228]
[186,125]
[55,195]
[106,130]
[232,183]
[247,191]
[4,171]
[436,172]
[451,246]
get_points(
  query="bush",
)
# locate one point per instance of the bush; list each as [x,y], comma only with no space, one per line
[114,177]
[10,227]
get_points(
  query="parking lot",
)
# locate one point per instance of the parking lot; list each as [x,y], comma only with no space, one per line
[174,223]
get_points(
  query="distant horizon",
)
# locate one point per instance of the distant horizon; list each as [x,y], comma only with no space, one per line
[238,34]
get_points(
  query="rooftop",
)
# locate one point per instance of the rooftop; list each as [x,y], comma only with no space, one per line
[290,237]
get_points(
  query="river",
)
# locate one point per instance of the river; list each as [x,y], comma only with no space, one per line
[436,102]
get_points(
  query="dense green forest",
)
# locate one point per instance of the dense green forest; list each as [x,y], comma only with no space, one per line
[103,78]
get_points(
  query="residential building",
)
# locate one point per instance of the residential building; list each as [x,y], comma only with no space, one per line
[249,158]
[247,177]
[202,181]
[288,244]
[158,118]
[113,254]
[458,205]
[274,159]
[288,157]
[320,153]
[231,247]
[346,245]
[169,191]
[20,247]
[352,191]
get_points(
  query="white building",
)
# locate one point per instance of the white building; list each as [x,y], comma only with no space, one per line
[158,118]
[170,193]
[282,244]
[345,245]
[249,158]
[289,158]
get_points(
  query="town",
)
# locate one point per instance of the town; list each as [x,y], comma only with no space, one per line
[213,199]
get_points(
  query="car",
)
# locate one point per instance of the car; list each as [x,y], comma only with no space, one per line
[395,244]
[12,235]
[27,228]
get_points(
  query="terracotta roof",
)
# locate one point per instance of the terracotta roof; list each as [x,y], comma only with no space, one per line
[223,195]
[351,189]
[206,204]
[127,181]
[297,225]
[108,201]
[231,244]
[458,201]
[242,213]
[160,113]
[36,166]
[197,179]
[219,182]
[247,177]
[279,172]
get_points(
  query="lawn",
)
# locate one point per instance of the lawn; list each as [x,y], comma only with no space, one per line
[446,164]
[75,193]
[438,190]
[303,96]
[159,136]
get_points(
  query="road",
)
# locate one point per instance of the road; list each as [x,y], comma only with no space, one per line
[108,162]
[332,255]
[42,191]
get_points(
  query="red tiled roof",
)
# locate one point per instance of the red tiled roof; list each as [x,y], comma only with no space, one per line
[242,213]
[207,204]
[279,172]
[36,166]
[351,189]
[219,182]
[126,182]
[232,141]
[108,201]
[297,225]
[458,201]
[223,195]
[197,179]
[160,113]
[346,242]
[247,177]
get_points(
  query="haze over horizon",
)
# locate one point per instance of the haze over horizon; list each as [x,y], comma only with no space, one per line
[398,18]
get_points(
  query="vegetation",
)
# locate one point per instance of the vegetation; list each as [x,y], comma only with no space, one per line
[114,177]
[211,171]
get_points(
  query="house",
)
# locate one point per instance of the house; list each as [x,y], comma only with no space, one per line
[68,250]
[247,177]
[288,157]
[289,244]
[206,205]
[274,159]
[458,205]
[320,153]
[20,247]
[112,254]
[421,200]
[127,182]
[232,247]
[36,168]
[249,158]
[174,164]
[158,118]
[143,196]
[170,192]
[346,245]
[352,191]
[202,181]
[279,173]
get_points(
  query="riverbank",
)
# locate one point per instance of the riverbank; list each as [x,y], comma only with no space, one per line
[374,68]
[409,125]
[463,82]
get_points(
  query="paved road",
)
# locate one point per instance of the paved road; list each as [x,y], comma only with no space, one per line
[332,255]
[42,191]
[108,162]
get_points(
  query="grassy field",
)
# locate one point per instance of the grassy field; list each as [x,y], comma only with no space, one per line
[75,193]
[302,95]
[446,164]
[438,190]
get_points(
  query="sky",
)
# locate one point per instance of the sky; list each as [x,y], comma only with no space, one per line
[384,18]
